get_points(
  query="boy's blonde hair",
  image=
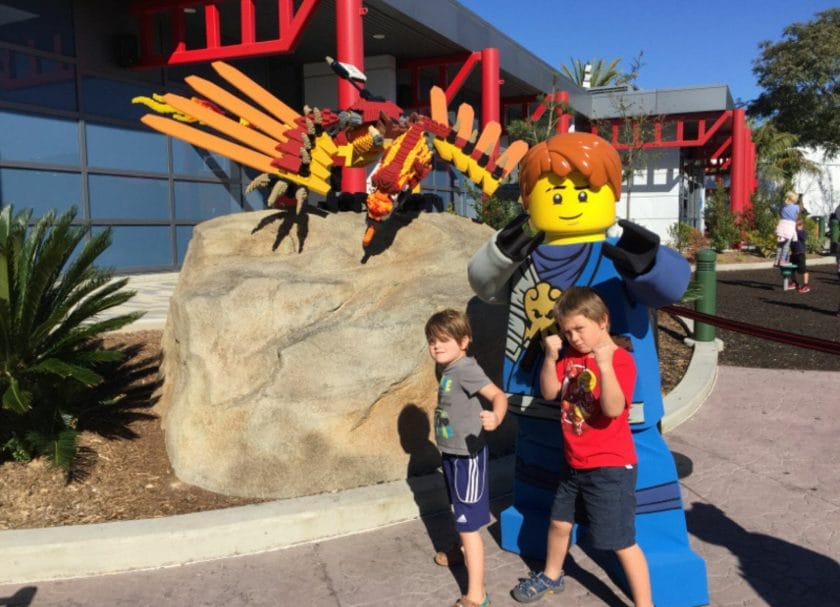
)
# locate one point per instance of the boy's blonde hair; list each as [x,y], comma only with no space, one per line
[449,323]
[791,196]
[584,301]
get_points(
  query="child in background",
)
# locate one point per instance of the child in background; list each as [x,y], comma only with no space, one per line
[786,228]
[460,424]
[593,380]
[797,257]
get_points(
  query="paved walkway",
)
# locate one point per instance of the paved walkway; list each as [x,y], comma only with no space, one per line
[760,485]
[761,489]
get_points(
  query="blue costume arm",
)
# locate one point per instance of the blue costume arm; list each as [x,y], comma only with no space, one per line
[664,283]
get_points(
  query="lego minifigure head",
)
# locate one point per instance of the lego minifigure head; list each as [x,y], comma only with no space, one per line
[569,185]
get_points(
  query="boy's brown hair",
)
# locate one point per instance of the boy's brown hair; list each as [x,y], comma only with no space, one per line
[588,154]
[584,301]
[449,323]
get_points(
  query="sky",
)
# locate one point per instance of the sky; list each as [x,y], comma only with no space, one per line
[684,42]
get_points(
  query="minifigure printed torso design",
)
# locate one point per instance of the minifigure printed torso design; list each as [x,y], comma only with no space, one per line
[549,271]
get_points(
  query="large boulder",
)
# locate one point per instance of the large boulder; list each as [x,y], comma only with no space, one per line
[294,364]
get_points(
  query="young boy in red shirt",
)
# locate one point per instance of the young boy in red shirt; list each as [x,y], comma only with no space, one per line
[594,380]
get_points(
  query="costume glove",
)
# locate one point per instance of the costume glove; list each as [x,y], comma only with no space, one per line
[635,252]
[514,242]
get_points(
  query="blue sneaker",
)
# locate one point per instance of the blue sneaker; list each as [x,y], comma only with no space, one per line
[534,587]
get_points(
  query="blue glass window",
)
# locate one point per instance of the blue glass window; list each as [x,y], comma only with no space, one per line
[183,234]
[39,139]
[190,160]
[40,190]
[123,148]
[128,198]
[38,81]
[112,98]
[46,25]
[200,201]
[137,247]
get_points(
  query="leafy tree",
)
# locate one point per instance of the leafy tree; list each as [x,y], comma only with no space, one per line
[534,131]
[800,76]
[601,73]
[778,159]
[50,299]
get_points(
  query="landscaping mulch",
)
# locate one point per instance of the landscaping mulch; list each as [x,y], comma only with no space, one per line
[756,297]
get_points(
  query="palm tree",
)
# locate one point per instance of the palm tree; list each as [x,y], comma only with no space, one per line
[778,158]
[600,75]
[51,297]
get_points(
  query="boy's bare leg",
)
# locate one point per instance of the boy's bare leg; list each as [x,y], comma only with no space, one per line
[559,536]
[635,567]
[474,561]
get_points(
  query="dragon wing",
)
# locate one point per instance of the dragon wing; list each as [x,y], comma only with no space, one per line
[477,159]
[278,141]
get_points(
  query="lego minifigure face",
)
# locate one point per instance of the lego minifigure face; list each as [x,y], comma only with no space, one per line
[569,210]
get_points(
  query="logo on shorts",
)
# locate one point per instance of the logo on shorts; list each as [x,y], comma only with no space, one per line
[461,519]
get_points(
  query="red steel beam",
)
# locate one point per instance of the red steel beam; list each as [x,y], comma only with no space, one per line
[490,83]
[462,75]
[349,47]
[248,20]
[292,25]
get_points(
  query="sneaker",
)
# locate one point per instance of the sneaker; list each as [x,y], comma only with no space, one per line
[792,286]
[448,558]
[803,289]
[533,588]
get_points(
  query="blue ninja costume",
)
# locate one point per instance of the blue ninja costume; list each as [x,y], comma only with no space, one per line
[678,575]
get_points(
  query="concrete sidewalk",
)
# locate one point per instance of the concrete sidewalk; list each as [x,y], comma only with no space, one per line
[759,480]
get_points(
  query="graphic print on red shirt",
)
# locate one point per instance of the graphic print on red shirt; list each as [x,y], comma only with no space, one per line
[591,439]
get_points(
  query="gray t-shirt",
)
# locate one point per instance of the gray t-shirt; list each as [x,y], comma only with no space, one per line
[457,420]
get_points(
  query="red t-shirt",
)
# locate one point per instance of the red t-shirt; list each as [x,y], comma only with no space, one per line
[592,439]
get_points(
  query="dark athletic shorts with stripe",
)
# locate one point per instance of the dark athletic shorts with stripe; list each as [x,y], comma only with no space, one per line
[469,493]
[608,497]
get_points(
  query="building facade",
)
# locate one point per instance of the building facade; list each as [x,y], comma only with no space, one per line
[70,135]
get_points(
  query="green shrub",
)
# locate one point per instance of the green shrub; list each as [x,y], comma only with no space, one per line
[814,243]
[680,235]
[720,221]
[764,244]
[50,296]
[495,211]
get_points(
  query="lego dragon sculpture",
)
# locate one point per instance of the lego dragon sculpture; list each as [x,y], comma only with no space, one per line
[256,129]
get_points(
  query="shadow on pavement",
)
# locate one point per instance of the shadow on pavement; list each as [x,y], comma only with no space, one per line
[773,567]
[21,598]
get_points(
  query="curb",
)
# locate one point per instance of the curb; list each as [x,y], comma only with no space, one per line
[685,399]
[31,555]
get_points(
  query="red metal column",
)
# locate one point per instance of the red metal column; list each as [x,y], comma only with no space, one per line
[490,81]
[349,43]
[566,117]
[738,172]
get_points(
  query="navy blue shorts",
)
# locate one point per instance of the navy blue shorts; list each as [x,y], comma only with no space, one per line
[469,494]
[608,497]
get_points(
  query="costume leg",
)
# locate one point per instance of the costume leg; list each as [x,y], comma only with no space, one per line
[678,574]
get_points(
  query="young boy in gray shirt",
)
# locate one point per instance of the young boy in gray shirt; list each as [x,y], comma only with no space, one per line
[460,424]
